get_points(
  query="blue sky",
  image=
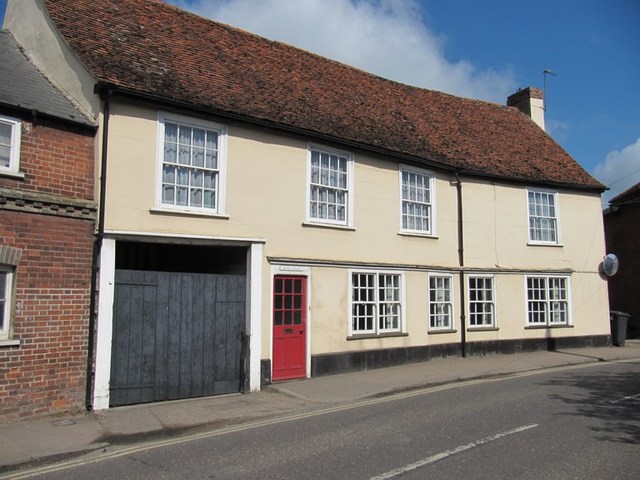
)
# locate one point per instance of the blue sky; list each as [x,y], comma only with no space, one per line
[484,49]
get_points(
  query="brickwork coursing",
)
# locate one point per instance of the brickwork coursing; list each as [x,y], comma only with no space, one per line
[55,160]
[46,373]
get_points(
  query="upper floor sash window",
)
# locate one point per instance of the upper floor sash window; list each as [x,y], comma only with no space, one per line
[330,187]
[543,216]
[192,164]
[417,199]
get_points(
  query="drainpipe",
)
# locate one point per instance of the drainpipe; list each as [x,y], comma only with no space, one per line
[97,245]
[463,316]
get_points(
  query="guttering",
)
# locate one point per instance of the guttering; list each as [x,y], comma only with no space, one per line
[463,315]
[97,245]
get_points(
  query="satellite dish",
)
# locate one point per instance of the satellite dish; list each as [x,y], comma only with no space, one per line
[610,265]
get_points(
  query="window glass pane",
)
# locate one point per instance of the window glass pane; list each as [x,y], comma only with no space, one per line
[169,174]
[184,155]
[168,195]
[182,196]
[170,132]
[4,298]
[6,132]
[211,160]
[198,137]
[170,152]
[185,135]
[209,180]
[209,199]
[196,178]
[212,140]
[182,176]
[5,156]
[196,197]
[198,157]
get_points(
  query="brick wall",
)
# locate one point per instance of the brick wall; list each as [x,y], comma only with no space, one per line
[46,373]
[622,230]
[56,159]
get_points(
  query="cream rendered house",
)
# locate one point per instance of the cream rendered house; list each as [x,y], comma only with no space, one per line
[270,214]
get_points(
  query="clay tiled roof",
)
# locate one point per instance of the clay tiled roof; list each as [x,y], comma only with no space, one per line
[630,194]
[155,49]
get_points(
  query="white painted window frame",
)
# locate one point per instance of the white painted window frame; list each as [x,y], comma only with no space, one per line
[493,302]
[348,221]
[16,136]
[548,322]
[377,329]
[449,303]
[222,130]
[6,299]
[430,231]
[556,217]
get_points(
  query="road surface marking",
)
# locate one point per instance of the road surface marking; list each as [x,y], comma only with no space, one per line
[449,453]
[114,451]
[629,397]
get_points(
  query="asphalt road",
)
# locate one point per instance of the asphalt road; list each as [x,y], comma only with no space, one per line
[582,423]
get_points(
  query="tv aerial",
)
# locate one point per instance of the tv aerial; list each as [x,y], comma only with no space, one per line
[546,72]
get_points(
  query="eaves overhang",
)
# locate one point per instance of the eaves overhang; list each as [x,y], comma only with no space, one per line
[35,113]
[102,88]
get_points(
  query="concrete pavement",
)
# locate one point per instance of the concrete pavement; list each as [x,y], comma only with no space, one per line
[44,440]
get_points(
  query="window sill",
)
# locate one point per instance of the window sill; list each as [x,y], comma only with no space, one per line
[171,211]
[542,244]
[439,332]
[9,343]
[417,234]
[543,327]
[482,329]
[15,175]
[328,225]
[365,336]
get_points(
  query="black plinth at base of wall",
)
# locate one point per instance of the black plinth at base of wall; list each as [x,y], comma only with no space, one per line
[330,364]
[334,363]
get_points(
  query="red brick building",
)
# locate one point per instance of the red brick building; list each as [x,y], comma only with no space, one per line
[622,229]
[47,214]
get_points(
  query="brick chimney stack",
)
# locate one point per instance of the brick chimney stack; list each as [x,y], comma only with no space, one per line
[529,101]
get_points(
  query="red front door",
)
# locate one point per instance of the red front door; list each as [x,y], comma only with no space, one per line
[289,327]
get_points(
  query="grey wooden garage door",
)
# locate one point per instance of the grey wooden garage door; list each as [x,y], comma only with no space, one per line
[176,335]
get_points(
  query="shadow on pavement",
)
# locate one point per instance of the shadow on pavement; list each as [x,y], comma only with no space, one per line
[613,399]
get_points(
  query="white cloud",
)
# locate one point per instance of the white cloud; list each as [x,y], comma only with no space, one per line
[384,37]
[620,170]
[558,129]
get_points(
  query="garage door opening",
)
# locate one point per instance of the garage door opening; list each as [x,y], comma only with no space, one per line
[179,319]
